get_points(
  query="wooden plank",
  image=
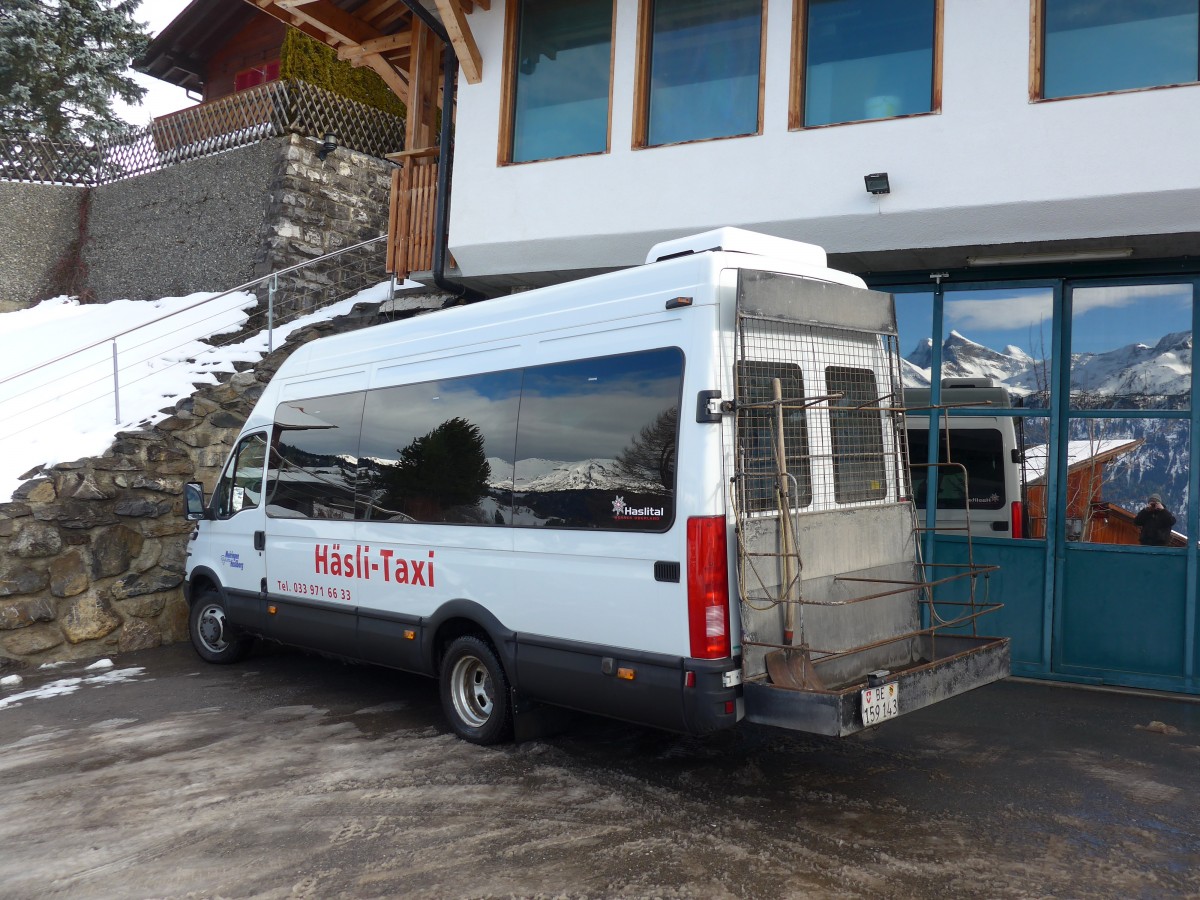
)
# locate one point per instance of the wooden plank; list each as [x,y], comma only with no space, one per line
[454,20]
[796,91]
[403,235]
[418,153]
[1037,14]
[393,222]
[386,44]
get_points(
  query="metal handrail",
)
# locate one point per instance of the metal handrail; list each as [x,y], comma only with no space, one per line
[271,280]
[239,289]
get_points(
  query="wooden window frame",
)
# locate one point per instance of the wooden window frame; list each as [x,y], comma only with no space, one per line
[641,84]
[797,75]
[508,90]
[1037,64]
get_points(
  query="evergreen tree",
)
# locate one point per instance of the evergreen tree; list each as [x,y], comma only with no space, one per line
[61,64]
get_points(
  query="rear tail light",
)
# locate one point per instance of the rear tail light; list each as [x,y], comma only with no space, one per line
[1017,517]
[708,587]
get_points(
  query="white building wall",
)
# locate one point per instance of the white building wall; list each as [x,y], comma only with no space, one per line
[991,168]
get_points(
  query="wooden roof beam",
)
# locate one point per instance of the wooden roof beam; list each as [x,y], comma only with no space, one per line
[454,20]
[269,7]
[339,25]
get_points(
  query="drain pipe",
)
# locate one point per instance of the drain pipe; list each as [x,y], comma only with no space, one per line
[441,217]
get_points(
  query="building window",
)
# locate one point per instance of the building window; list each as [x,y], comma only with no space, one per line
[257,75]
[1092,48]
[858,60]
[558,76]
[700,70]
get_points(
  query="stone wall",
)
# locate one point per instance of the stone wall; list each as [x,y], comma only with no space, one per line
[39,225]
[203,225]
[92,552]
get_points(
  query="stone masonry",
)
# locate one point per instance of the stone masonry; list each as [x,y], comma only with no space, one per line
[92,552]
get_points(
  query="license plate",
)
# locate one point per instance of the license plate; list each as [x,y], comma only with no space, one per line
[880,703]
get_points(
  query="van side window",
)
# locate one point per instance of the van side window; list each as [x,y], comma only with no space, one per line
[314,458]
[440,451]
[241,486]
[596,443]
[856,435]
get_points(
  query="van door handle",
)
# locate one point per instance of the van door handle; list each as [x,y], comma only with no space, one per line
[260,540]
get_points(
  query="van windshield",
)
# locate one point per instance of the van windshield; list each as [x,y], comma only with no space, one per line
[979,450]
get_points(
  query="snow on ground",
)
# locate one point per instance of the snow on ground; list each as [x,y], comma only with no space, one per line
[56,368]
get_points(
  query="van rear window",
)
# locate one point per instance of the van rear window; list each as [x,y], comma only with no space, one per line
[981,453]
[757,434]
[856,435]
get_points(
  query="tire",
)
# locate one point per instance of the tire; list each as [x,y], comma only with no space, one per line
[215,639]
[474,691]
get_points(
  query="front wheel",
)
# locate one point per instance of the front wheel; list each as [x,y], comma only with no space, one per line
[215,639]
[474,691]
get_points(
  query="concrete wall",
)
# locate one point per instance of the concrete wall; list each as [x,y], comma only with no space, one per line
[204,225]
[990,168]
[191,227]
[38,224]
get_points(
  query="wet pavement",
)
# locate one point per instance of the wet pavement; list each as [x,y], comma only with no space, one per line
[290,775]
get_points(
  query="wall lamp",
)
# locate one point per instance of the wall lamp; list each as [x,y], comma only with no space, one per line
[877,183]
[329,144]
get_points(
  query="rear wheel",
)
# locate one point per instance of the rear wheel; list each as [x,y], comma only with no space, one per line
[474,691]
[214,638]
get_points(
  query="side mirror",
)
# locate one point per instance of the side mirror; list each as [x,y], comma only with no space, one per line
[193,501]
[1017,456]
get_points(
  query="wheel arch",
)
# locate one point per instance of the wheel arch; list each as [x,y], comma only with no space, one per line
[202,579]
[458,617]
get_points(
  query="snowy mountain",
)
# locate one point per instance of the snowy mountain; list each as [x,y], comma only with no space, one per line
[1135,370]
[1136,376]
[549,475]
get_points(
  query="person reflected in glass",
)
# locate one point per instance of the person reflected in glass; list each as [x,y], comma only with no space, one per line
[1155,522]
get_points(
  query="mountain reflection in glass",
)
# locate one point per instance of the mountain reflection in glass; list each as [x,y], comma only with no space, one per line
[440,451]
[596,443]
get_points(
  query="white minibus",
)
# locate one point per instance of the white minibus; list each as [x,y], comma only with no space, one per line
[979,467]
[673,494]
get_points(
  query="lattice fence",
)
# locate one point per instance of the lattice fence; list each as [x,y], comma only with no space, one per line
[244,118]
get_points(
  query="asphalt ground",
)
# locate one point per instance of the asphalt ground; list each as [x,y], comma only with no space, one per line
[290,775]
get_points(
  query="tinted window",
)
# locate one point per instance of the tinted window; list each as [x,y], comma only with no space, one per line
[867,59]
[241,486]
[441,451]
[757,434]
[980,451]
[563,53]
[704,69]
[596,443]
[856,435]
[314,458]
[1091,47]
